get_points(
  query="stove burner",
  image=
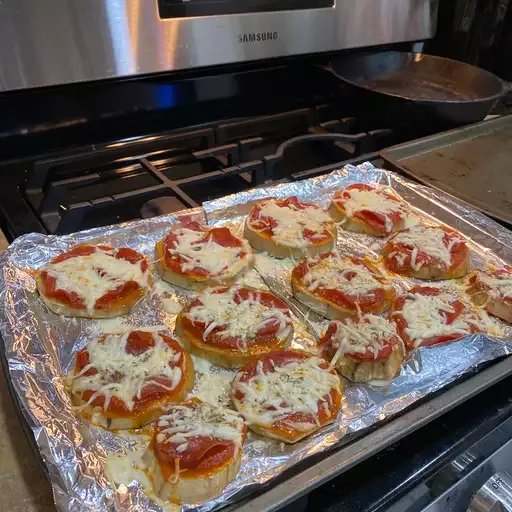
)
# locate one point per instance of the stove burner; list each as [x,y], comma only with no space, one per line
[160,206]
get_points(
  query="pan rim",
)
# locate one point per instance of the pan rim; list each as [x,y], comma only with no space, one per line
[480,99]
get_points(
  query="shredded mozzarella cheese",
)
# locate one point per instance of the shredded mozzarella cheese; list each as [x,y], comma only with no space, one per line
[360,335]
[217,260]
[200,419]
[499,285]
[241,320]
[428,240]
[374,201]
[296,387]
[94,275]
[124,375]
[426,317]
[337,273]
[292,221]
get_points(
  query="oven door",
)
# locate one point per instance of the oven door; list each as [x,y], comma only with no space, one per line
[62,41]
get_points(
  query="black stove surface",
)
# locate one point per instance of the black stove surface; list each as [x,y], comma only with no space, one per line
[285,123]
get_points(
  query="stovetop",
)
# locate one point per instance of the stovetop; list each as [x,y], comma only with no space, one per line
[168,172]
[97,154]
[302,124]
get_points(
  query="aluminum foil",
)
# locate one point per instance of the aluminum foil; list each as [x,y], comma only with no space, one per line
[40,346]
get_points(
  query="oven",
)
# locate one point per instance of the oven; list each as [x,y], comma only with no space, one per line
[63,41]
[77,152]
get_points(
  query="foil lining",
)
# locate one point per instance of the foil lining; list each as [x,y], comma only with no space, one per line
[40,346]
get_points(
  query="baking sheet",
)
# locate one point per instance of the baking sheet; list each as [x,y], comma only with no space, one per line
[40,346]
[472,163]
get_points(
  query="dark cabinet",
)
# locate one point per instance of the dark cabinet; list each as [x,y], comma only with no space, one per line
[476,31]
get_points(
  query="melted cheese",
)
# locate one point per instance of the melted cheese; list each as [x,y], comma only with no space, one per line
[213,384]
[92,276]
[426,317]
[171,306]
[292,221]
[125,468]
[374,201]
[124,375]
[499,286]
[243,320]
[296,387]
[217,260]
[357,336]
[335,273]
[428,240]
[200,419]
[252,278]
[213,388]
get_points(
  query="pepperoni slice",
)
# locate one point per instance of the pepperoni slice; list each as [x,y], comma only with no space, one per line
[201,453]
[139,342]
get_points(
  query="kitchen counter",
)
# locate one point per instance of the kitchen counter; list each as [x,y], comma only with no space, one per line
[23,485]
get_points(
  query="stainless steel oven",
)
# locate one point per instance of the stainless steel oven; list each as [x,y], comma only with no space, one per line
[61,41]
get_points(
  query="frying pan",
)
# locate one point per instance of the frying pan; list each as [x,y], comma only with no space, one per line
[421,84]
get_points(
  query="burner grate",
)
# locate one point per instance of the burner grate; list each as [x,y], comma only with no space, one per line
[172,171]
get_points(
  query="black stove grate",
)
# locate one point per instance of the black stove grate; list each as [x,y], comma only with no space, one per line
[169,172]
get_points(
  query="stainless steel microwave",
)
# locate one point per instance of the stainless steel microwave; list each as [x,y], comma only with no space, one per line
[48,42]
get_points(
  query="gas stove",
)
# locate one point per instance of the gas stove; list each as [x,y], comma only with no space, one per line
[85,156]
[166,171]
[171,171]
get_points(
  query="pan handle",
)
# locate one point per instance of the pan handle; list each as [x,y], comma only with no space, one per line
[507,86]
